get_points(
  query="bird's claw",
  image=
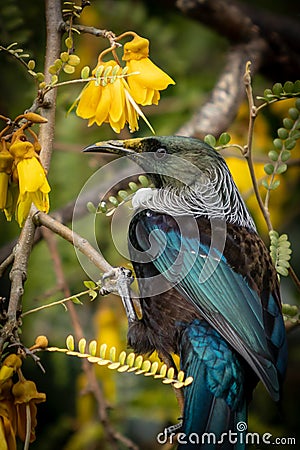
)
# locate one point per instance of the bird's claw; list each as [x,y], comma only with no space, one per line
[114,280]
[118,281]
[173,429]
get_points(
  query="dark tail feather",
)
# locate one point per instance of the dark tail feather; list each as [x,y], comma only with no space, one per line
[207,419]
[215,414]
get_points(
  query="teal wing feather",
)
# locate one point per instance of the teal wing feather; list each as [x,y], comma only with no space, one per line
[222,294]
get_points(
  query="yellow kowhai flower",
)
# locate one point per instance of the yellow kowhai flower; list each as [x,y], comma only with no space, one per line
[26,397]
[150,79]
[6,162]
[8,417]
[30,174]
[108,100]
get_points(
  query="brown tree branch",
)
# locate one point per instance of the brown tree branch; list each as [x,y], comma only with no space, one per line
[93,387]
[271,42]
[73,238]
[22,250]
[218,112]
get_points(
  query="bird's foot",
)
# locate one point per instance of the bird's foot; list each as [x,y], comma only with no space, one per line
[118,281]
[114,280]
[173,429]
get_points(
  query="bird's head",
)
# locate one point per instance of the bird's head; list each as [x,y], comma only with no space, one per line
[168,160]
[189,168]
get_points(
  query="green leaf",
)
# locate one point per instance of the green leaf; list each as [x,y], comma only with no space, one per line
[123,194]
[113,200]
[224,139]
[144,181]
[85,72]
[290,310]
[40,76]
[90,284]
[288,123]
[294,113]
[288,87]
[273,155]
[285,155]
[210,140]
[76,301]
[133,186]
[282,133]
[68,69]
[281,169]
[69,42]
[278,144]
[99,71]
[74,60]
[267,92]
[112,354]
[102,351]
[70,342]
[277,89]
[31,64]
[82,345]
[295,134]
[93,348]
[269,169]
[91,207]
[54,80]
[274,185]
[282,271]
[290,144]
[93,295]
[103,207]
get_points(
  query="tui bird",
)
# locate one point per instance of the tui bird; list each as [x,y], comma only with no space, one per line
[208,289]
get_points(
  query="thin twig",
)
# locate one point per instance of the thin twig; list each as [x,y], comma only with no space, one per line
[75,239]
[248,147]
[58,302]
[6,263]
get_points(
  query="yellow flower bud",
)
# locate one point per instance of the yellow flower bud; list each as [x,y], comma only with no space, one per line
[40,342]
[35,118]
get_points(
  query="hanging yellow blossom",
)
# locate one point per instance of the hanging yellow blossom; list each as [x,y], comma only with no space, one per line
[8,417]
[108,100]
[30,174]
[26,397]
[6,162]
[150,79]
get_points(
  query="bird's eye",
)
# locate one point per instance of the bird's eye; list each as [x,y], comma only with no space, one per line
[160,153]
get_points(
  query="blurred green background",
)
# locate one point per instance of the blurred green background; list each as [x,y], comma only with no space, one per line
[193,56]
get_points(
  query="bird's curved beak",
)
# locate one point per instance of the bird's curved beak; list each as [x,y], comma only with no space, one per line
[118,147]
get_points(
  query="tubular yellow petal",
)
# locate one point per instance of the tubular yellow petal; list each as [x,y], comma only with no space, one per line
[23,208]
[32,176]
[149,74]
[89,100]
[101,114]
[118,100]
[4,179]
